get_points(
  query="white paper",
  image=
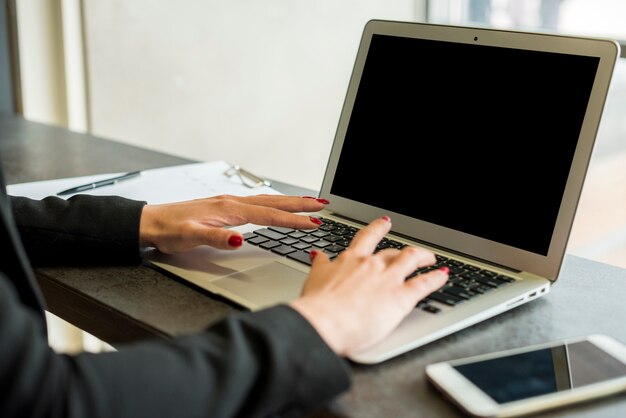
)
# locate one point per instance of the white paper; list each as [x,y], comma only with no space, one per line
[160,185]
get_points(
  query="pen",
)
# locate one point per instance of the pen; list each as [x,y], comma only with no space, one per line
[100,183]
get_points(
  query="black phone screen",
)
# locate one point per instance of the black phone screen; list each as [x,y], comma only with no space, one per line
[543,371]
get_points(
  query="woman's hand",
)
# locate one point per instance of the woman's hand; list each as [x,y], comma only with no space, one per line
[178,227]
[360,297]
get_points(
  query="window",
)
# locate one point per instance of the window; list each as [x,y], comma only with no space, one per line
[604,18]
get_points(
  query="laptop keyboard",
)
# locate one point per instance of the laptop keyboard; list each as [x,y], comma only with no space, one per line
[465,281]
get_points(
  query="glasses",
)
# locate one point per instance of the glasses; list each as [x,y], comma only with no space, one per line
[248,179]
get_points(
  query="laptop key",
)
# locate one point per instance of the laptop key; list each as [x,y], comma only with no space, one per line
[301,246]
[330,254]
[335,248]
[431,309]
[300,256]
[480,288]
[493,282]
[382,246]
[505,278]
[269,244]
[445,298]
[461,282]
[257,240]
[320,234]
[248,235]
[267,233]
[281,230]
[459,292]
[321,243]
[289,241]
[283,249]
[327,227]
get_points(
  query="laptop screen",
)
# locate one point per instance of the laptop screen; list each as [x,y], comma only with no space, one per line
[479,139]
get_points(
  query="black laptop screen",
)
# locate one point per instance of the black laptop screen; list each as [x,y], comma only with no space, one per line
[474,138]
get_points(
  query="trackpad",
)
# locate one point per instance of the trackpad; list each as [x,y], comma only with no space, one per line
[262,286]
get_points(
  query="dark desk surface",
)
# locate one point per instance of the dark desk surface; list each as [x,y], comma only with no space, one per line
[123,304]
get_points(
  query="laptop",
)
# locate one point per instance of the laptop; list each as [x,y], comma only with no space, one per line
[474,141]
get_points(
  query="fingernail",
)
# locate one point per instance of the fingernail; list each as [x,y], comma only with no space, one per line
[315,220]
[445,269]
[312,254]
[386,218]
[309,197]
[323,201]
[235,240]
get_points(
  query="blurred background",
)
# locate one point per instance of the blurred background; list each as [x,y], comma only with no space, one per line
[261,83]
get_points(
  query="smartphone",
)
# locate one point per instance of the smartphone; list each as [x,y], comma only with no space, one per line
[534,378]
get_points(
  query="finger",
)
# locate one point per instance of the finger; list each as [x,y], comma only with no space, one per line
[366,240]
[286,203]
[314,282]
[318,257]
[410,259]
[388,254]
[261,215]
[423,285]
[215,237]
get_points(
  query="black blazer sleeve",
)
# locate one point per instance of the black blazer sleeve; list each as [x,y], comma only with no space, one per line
[266,363]
[83,229]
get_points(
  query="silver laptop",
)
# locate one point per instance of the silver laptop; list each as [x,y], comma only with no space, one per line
[474,141]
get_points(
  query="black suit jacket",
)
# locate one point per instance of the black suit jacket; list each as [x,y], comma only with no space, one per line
[266,363]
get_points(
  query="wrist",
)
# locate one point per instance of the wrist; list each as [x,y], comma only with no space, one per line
[148,225]
[324,322]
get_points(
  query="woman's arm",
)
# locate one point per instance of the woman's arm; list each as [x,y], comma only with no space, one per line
[248,365]
[81,230]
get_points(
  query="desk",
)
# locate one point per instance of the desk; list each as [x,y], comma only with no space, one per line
[123,304]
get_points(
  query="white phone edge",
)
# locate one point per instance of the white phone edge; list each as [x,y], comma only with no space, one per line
[475,402]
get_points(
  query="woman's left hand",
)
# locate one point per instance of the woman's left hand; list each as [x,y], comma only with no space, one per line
[178,227]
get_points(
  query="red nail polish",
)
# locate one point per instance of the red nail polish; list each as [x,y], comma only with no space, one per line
[309,197]
[445,269]
[235,240]
[315,220]
[323,201]
[386,218]
[312,254]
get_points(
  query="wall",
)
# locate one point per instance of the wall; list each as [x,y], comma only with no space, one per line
[41,61]
[257,83]
[6,88]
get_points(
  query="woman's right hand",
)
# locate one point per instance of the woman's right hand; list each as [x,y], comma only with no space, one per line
[357,299]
